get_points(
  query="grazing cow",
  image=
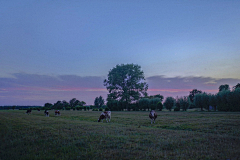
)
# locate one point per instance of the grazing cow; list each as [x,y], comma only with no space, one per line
[29,111]
[46,113]
[152,116]
[105,115]
[57,112]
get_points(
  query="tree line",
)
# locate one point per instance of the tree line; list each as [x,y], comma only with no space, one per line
[128,91]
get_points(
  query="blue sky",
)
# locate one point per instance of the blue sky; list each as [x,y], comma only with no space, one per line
[58,50]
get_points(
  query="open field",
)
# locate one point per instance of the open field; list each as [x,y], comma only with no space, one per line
[78,135]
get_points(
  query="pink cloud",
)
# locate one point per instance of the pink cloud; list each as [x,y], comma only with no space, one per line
[32,89]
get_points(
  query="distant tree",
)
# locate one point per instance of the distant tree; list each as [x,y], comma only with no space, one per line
[153,103]
[159,106]
[193,93]
[198,101]
[144,103]
[205,101]
[81,103]
[184,103]
[96,102]
[73,103]
[237,86]
[177,104]
[125,83]
[223,103]
[224,87]
[169,103]
[213,101]
[155,96]
[48,105]
[99,102]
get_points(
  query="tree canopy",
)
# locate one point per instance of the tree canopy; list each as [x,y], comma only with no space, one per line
[224,87]
[126,83]
[193,93]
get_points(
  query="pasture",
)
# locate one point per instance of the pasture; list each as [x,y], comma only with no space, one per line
[129,135]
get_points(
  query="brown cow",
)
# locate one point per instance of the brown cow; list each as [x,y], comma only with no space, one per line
[152,116]
[29,111]
[105,115]
[57,112]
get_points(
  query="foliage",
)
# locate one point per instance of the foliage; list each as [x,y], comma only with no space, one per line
[169,103]
[144,104]
[193,93]
[99,102]
[213,101]
[159,106]
[223,87]
[237,86]
[228,100]
[153,103]
[125,83]
[176,109]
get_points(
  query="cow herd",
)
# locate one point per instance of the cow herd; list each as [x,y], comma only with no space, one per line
[104,115]
[57,112]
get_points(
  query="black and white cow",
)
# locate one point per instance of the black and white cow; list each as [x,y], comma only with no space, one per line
[46,113]
[152,116]
[29,111]
[105,115]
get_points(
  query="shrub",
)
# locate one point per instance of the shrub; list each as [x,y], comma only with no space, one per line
[100,109]
[176,109]
[106,109]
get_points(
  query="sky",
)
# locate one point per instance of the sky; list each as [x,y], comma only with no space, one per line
[59,50]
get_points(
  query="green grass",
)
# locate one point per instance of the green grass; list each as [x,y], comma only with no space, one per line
[129,135]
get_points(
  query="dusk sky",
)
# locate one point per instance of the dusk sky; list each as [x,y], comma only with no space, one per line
[59,50]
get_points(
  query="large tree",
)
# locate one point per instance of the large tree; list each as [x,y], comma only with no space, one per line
[125,83]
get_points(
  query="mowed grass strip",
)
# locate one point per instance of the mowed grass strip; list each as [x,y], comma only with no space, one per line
[129,135]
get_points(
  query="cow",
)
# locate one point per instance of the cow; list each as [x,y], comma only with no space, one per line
[105,115]
[29,111]
[46,113]
[57,112]
[152,116]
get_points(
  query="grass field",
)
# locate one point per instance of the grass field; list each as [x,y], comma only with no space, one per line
[129,135]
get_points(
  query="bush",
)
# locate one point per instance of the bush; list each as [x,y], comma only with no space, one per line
[94,109]
[85,108]
[100,109]
[106,109]
[176,109]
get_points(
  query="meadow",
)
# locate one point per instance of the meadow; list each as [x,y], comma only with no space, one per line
[129,135]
